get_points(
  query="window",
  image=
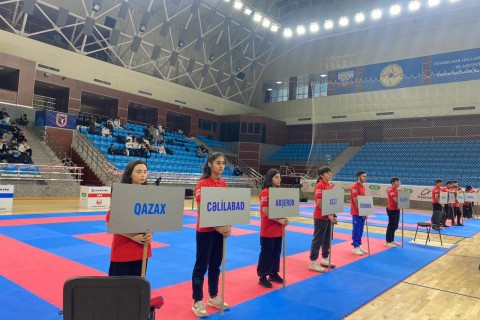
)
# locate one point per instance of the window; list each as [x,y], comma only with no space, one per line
[207,125]
[302,90]
[319,89]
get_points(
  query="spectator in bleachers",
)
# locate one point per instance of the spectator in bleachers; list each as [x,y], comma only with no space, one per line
[148,132]
[393,213]
[7,136]
[22,120]
[3,150]
[161,149]
[23,147]
[129,145]
[199,152]
[143,152]
[92,128]
[4,116]
[80,119]
[116,123]
[106,132]
[110,125]
[237,172]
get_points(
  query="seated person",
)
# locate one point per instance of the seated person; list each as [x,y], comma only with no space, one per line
[237,172]
[3,150]
[116,123]
[106,132]
[199,153]
[7,136]
[23,120]
[143,152]
[23,147]
[129,146]
[4,116]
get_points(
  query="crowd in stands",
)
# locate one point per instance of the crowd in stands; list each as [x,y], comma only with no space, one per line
[14,146]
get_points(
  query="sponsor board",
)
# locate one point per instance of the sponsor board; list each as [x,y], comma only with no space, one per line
[95,197]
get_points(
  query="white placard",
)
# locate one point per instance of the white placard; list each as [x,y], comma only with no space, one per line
[95,197]
[224,206]
[6,198]
[365,206]
[451,197]
[332,201]
[403,199]
[136,209]
[283,202]
[461,197]
[443,198]
[471,197]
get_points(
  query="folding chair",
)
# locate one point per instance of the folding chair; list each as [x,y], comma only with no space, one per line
[109,298]
[437,222]
[189,195]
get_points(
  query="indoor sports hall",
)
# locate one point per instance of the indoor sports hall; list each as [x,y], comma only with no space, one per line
[384,94]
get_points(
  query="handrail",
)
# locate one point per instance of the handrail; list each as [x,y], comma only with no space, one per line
[40,172]
[246,169]
[62,156]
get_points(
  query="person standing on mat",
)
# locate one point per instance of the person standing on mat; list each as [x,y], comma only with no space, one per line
[446,207]
[393,212]
[455,207]
[436,195]
[209,242]
[358,222]
[127,248]
[322,224]
[271,233]
[467,206]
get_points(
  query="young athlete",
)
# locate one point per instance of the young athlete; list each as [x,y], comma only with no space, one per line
[393,212]
[209,242]
[467,206]
[271,233]
[127,248]
[322,224]
[448,213]
[436,195]
[357,189]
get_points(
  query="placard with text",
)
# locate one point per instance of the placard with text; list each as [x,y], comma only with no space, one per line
[332,201]
[365,206]
[403,199]
[283,202]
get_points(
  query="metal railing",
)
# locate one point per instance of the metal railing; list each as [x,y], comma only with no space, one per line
[251,173]
[94,159]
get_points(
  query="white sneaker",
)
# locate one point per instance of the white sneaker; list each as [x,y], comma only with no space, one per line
[390,244]
[325,263]
[198,309]
[363,250]
[315,267]
[217,303]
[357,251]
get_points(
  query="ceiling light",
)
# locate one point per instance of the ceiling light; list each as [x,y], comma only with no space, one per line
[278,82]
[343,21]
[328,24]
[274,27]
[314,27]
[359,17]
[287,32]
[237,5]
[257,17]
[433,3]
[376,14]
[300,30]
[413,5]
[269,89]
[247,11]
[266,23]
[395,9]
[323,75]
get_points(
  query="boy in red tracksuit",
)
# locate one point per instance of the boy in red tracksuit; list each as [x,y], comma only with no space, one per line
[393,212]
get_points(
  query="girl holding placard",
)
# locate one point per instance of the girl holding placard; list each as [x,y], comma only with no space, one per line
[271,233]
[127,248]
[209,242]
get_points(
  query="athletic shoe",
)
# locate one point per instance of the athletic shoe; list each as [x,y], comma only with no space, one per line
[460,224]
[198,309]
[217,303]
[357,251]
[390,244]
[363,250]
[315,267]
[325,263]
[264,282]
[274,277]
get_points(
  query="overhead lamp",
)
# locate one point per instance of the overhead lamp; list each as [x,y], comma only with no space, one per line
[278,82]
[433,3]
[238,5]
[257,17]
[300,30]
[247,11]
[395,9]
[376,14]
[328,24]
[266,23]
[343,21]
[314,27]
[287,32]
[323,75]
[237,68]
[144,21]
[269,89]
[97,5]
[414,5]
[359,17]
[275,27]
[226,0]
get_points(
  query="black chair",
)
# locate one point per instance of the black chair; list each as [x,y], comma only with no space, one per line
[438,218]
[189,195]
[108,298]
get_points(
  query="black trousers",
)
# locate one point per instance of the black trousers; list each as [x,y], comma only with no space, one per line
[448,213]
[457,213]
[269,258]
[467,211]
[321,238]
[437,207]
[129,268]
[393,219]
[209,256]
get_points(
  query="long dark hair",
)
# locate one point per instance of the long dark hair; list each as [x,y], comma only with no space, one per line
[127,173]
[207,171]
[267,183]
[322,171]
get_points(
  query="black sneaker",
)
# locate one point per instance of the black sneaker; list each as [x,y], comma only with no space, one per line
[264,282]
[274,277]
[459,224]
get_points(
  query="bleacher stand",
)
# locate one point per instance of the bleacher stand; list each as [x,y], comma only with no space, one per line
[302,152]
